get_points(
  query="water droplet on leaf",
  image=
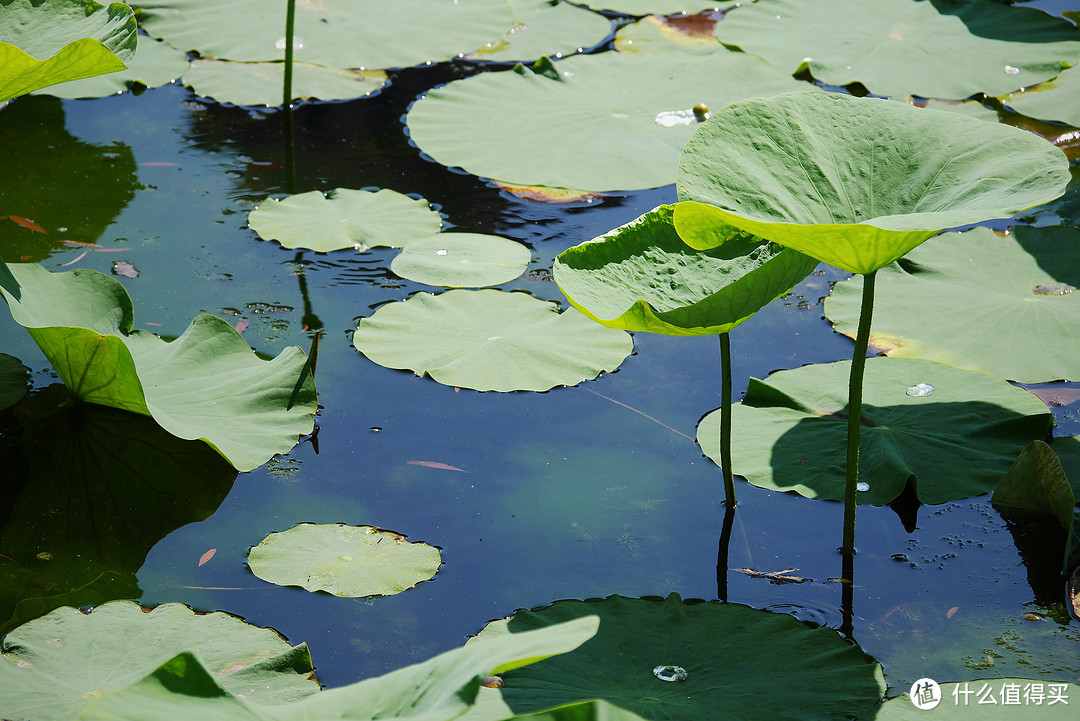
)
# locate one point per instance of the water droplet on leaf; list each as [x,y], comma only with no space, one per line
[1053,289]
[1010,70]
[440,251]
[670,673]
[921,390]
[862,486]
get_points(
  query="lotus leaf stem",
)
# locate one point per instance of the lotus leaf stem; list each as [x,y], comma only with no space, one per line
[725,420]
[855,387]
[290,22]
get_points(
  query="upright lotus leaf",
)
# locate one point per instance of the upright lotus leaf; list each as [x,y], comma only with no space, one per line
[489,340]
[120,483]
[1017,290]
[14,380]
[439,689]
[686,661]
[953,433]
[205,385]
[541,28]
[856,182]
[642,277]
[349,561]
[462,260]
[608,121]
[598,710]
[1035,699]
[333,33]
[345,218]
[1057,100]
[43,42]
[260,83]
[935,49]
[51,667]
[154,64]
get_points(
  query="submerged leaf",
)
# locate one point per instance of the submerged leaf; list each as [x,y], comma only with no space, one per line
[14,380]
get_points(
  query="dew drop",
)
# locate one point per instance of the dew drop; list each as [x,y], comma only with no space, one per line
[670,673]
[440,251]
[1010,70]
[297,43]
[921,390]
[862,486]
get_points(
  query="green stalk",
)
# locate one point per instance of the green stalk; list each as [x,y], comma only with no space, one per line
[855,383]
[725,420]
[290,18]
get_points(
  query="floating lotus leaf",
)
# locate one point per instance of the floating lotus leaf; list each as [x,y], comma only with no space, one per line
[738,663]
[605,122]
[1057,100]
[51,667]
[642,277]
[43,42]
[206,385]
[490,341]
[343,560]
[261,83]
[359,219]
[1017,290]
[153,65]
[439,689]
[956,442]
[120,483]
[961,701]
[597,710]
[543,28]
[940,49]
[334,33]
[462,260]
[14,380]
[659,34]
[857,182]
[651,7]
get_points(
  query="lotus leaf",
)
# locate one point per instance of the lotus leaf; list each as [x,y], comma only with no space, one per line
[736,661]
[544,28]
[652,7]
[51,667]
[153,65]
[1015,289]
[935,49]
[43,42]
[439,689]
[960,701]
[14,380]
[359,219]
[343,560]
[597,710]
[462,260]
[642,277]
[606,122]
[490,341]
[334,33]
[120,482]
[205,385]
[657,34]
[956,442]
[260,83]
[857,182]
[1057,100]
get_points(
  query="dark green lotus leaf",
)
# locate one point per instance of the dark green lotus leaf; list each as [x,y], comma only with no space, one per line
[490,341]
[642,277]
[857,182]
[206,385]
[120,482]
[1057,100]
[71,189]
[334,33]
[937,49]
[541,28]
[51,667]
[43,42]
[345,218]
[14,380]
[153,65]
[1034,699]
[462,260]
[738,663]
[956,442]
[343,560]
[261,83]
[439,689]
[597,710]
[1017,290]
[608,121]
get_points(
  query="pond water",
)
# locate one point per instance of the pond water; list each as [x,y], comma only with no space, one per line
[574,493]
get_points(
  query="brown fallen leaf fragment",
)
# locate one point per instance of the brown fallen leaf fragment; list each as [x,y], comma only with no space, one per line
[436,464]
[952,612]
[775,576]
[207,556]
[124,268]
